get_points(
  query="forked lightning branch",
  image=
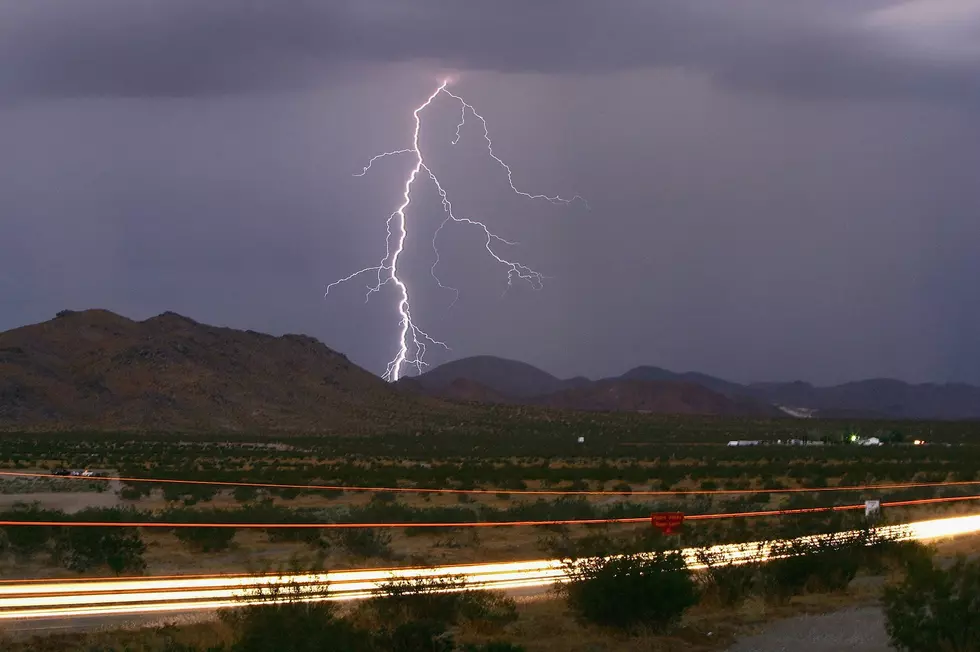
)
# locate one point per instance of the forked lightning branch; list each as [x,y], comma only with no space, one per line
[412,340]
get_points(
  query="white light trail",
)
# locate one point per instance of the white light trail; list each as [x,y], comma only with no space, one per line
[412,340]
[78,598]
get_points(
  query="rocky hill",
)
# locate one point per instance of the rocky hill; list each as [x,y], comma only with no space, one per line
[96,369]
[504,378]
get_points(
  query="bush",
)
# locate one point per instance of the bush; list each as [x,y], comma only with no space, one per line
[822,565]
[825,563]
[727,583]
[25,541]
[830,560]
[244,494]
[310,536]
[446,601]
[412,618]
[935,610]
[174,492]
[631,590]
[206,539]
[294,626]
[383,498]
[289,493]
[130,493]
[83,548]
[364,542]
[415,636]
[135,490]
[622,487]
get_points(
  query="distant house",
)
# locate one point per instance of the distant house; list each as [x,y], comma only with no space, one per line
[804,442]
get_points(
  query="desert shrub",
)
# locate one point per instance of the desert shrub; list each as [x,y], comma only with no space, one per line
[935,610]
[295,626]
[245,494]
[446,601]
[265,512]
[119,549]
[188,495]
[25,541]
[289,493]
[383,498]
[632,590]
[623,487]
[310,536]
[825,563]
[415,636]
[206,539]
[135,491]
[174,492]
[725,582]
[364,542]
[409,617]
[130,493]
[881,553]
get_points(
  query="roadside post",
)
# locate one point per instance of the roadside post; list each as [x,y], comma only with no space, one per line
[872,510]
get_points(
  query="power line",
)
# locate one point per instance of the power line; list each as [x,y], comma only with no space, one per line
[517,492]
[464,524]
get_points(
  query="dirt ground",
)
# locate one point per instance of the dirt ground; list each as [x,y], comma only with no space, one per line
[66,501]
[855,629]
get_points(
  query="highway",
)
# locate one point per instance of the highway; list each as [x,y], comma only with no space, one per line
[59,604]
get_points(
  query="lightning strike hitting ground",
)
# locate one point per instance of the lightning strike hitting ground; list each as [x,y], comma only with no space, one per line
[412,340]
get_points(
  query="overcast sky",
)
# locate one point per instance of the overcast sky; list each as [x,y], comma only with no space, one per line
[777,190]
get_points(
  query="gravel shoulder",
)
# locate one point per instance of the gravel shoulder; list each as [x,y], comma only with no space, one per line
[855,629]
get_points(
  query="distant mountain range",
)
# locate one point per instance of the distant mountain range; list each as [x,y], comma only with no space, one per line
[100,371]
[492,379]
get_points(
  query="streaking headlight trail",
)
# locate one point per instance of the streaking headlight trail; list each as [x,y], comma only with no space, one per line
[25,600]
[412,340]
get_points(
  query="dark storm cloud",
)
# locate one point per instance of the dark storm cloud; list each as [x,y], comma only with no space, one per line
[189,47]
[749,219]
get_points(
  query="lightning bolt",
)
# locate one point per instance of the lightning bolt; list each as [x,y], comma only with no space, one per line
[412,340]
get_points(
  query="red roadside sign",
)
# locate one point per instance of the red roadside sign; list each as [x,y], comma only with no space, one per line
[667,522]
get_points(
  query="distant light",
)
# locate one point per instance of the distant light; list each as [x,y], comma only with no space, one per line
[918,442]
[581,440]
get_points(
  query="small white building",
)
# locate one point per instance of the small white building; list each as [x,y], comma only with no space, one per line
[744,442]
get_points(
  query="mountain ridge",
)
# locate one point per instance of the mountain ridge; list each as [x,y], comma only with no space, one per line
[96,369]
[867,398]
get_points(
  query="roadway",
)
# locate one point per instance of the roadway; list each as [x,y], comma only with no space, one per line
[60,605]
